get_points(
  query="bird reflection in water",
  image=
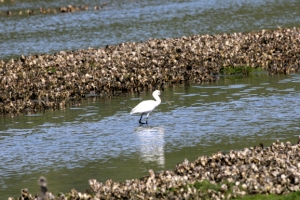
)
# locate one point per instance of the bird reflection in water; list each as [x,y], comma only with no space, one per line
[151,144]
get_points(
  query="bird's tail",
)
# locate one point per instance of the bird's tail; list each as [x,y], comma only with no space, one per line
[133,110]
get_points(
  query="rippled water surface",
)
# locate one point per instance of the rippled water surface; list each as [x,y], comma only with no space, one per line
[123,21]
[100,139]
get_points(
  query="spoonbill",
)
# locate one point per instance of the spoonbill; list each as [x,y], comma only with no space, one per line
[146,107]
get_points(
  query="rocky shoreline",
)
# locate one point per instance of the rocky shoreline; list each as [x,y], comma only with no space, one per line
[53,81]
[52,10]
[255,170]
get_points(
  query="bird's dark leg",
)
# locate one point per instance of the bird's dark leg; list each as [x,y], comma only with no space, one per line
[141,120]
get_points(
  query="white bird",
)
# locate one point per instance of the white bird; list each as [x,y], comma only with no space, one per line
[146,107]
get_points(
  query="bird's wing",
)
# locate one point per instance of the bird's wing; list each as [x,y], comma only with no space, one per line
[144,107]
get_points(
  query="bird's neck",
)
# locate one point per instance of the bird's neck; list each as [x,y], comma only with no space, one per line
[158,100]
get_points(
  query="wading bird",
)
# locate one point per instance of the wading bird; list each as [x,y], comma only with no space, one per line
[146,107]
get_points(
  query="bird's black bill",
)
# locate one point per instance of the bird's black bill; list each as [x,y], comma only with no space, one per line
[166,100]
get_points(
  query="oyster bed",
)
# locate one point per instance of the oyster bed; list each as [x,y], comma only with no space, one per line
[49,10]
[255,170]
[39,82]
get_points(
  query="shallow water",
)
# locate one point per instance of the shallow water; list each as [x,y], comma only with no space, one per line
[100,139]
[128,21]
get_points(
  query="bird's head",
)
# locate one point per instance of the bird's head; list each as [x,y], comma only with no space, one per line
[156,92]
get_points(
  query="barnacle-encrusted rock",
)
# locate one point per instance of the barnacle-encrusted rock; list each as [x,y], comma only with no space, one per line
[57,80]
[256,170]
[51,10]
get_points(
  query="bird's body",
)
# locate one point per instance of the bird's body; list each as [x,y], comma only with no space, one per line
[146,107]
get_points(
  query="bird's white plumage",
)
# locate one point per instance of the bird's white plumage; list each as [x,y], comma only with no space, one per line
[146,107]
